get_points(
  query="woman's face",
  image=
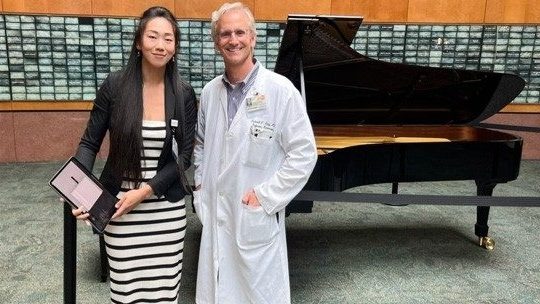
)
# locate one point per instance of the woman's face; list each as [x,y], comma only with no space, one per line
[157,44]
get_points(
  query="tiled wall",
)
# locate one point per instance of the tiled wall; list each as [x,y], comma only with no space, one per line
[66,58]
[498,48]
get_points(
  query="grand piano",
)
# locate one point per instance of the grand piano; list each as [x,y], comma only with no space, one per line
[381,122]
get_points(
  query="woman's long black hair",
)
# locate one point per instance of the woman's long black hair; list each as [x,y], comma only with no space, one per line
[126,119]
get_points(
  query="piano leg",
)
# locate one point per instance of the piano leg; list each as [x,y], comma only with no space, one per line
[103,259]
[395,190]
[70,255]
[482,214]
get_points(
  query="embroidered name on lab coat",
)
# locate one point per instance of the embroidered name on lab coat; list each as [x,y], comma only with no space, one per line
[262,129]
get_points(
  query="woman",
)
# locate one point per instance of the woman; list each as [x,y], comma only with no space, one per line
[144,107]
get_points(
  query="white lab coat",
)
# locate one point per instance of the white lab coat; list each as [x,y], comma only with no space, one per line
[243,251]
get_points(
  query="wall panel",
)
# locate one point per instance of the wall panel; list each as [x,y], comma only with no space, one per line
[373,10]
[382,11]
[278,10]
[531,140]
[194,9]
[7,148]
[63,7]
[38,139]
[71,105]
[5,105]
[512,11]
[341,7]
[127,7]
[446,11]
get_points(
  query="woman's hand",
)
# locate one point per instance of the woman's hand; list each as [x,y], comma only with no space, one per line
[80,214]
[131,199]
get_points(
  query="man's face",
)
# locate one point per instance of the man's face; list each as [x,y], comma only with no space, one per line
[235,40]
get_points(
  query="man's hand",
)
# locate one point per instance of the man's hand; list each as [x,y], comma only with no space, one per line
[250,199]
[131,199]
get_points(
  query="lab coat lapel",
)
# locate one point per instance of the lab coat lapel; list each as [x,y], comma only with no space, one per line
[223,99]
[240,113]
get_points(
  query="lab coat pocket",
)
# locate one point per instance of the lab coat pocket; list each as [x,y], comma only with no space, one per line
[259,151]
[258,228]
[198,205]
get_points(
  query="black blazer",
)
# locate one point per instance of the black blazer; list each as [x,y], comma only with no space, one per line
[167,179]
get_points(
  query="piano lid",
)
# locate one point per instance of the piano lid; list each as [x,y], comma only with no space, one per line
[342,86]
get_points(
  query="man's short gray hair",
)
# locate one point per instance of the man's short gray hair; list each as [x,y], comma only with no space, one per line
[226,7]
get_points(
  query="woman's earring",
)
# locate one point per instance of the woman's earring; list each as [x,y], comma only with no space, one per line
[138,53]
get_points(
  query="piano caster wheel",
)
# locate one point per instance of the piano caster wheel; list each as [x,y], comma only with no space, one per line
[487,243]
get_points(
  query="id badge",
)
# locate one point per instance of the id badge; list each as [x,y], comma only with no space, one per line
[255,102]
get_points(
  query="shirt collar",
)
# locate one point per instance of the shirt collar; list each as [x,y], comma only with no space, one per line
[242,83]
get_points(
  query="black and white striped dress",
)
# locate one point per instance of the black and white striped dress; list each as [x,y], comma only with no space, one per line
[145,246]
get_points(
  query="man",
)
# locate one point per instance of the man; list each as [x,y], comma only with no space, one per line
[254,152]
